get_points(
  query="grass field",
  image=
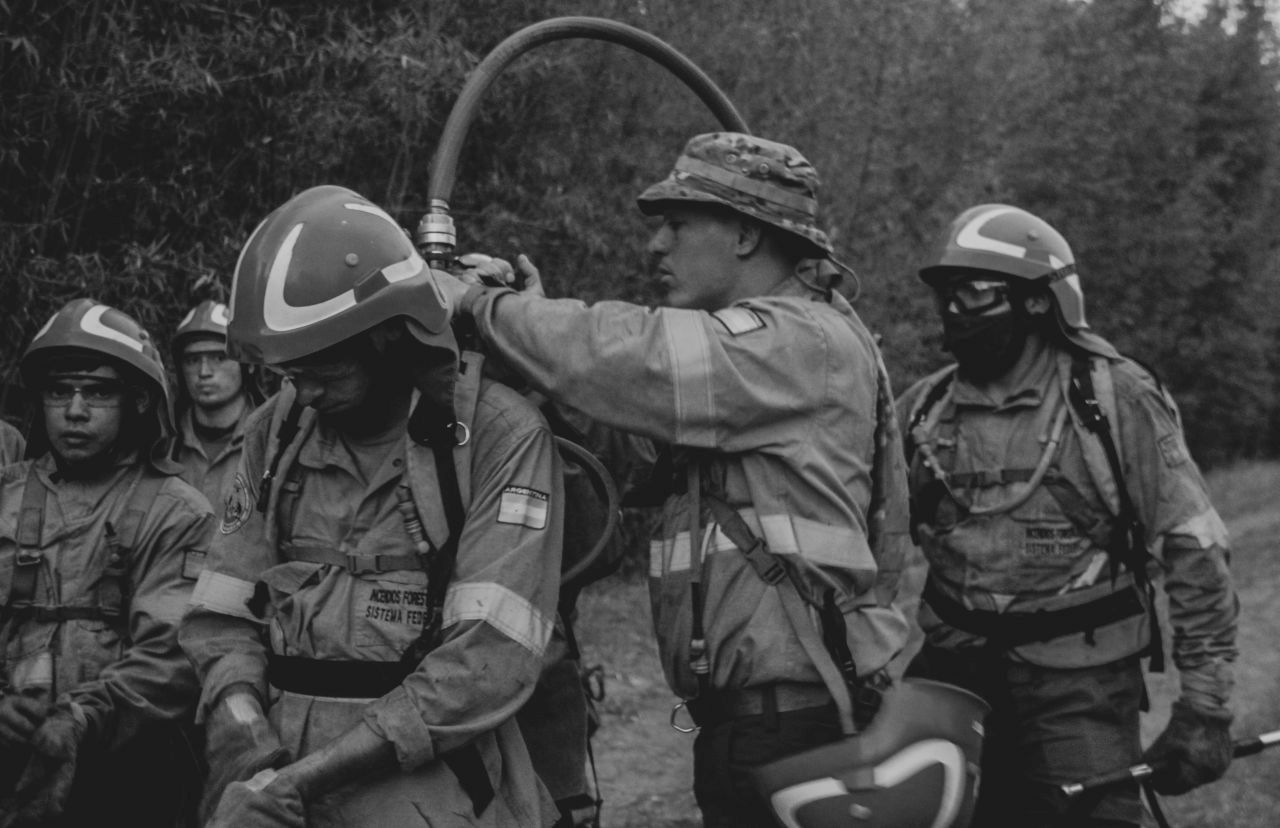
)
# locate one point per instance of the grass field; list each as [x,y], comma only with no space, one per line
[645,766]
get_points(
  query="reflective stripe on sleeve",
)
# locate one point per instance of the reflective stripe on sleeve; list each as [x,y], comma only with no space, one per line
[1207,528]
[786,535]
[509,613]
[224,594]
[690,354]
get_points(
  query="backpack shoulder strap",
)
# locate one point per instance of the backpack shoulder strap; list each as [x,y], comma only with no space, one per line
[926,408]
[1089,390]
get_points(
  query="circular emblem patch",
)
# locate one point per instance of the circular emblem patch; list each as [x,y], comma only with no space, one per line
[239,504]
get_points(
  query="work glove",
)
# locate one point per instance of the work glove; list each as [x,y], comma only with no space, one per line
[268,800]
[1194,748]
[19,718]
[41,794]
[239,742]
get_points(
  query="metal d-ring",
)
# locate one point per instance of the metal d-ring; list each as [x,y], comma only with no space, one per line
[675,711]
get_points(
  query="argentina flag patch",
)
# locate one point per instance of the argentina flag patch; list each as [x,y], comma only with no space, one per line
[739,321]
[524,507]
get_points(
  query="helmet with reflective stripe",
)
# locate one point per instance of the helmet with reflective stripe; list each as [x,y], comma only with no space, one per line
[916,764]
[207,319]
[1015,244]
[325,266]
[86,325]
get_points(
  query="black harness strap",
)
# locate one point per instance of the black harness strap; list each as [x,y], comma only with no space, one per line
[1128,542]
[1014,629]
[22,590]
[465,762]
[772,569]
[111,595]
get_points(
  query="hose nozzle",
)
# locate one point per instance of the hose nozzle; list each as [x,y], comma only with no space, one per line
[436,236]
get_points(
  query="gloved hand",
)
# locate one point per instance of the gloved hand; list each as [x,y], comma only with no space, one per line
[239,742]
[268,800]
[41,793]
[19,718]
[1195,748]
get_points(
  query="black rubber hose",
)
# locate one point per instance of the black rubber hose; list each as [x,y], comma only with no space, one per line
[445,166]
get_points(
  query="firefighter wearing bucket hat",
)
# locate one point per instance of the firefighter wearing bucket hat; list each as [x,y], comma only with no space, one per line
[784,488]
[382,586]
[215,396]
[1051,485]
[100,546]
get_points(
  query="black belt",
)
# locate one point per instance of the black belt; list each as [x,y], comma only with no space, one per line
[35,612]
[334,679]
[1013,629]
[371,680]
[766,699]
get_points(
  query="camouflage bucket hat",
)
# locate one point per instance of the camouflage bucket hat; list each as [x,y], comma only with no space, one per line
[763,179]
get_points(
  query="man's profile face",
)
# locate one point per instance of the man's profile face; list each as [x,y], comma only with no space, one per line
[694,253]
[212,378]
[84,412]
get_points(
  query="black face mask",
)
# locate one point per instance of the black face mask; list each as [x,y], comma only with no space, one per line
[985,347]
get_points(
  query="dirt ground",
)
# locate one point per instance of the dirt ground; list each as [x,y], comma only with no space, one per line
[645,767]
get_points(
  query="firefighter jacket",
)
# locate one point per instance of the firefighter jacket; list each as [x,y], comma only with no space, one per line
[109,567]
[359,612]
[12,445]
[784,401]
[211,475]
[1048,553]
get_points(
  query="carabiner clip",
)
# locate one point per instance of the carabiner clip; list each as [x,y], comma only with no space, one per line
[675,712]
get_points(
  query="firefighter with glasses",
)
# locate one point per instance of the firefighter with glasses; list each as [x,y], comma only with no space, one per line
[100,546]
[382,586]
[1052,493]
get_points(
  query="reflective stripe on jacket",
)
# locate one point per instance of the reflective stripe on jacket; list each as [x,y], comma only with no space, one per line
[498,613]
[122,672]
[1041,556]
[780,393]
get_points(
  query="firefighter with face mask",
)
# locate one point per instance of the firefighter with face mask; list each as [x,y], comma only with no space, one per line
[382,586]
[1051,487]
[100,546]
[775,569]
[216,394]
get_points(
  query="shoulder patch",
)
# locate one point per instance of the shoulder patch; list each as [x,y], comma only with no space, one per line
[237,507]
[739,321]
[521,506]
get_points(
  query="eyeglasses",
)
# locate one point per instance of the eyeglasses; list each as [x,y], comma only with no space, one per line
[319,373]
[974,297]
[100,394]
[215,359]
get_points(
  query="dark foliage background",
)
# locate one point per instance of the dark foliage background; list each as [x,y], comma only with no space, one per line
[142,140]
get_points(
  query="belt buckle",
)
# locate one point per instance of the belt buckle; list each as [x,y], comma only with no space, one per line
[28,557]
[358,564]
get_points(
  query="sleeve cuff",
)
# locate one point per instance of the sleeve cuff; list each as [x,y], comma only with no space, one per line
[232,668]
[395,718]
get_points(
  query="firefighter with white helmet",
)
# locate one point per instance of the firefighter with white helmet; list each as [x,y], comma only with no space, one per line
[1051,488]
[215,396]
[100,546]
[785,487]
[382,586]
